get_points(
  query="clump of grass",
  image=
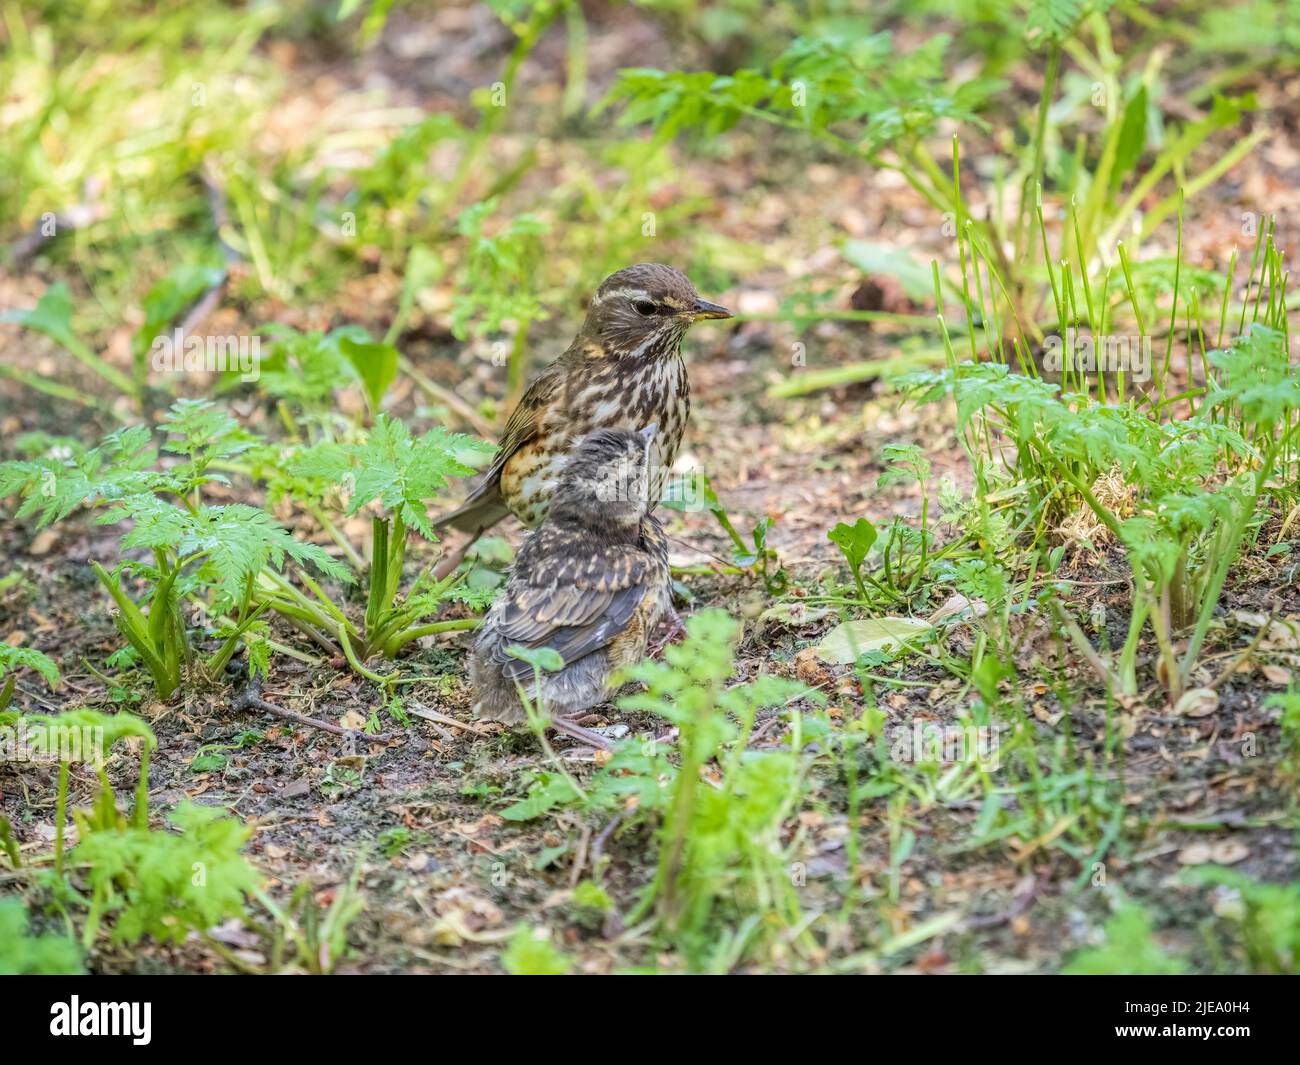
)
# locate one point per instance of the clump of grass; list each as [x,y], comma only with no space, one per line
[1199,469]
[854,94]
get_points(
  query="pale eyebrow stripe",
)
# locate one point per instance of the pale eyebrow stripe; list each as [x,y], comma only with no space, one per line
[631,293]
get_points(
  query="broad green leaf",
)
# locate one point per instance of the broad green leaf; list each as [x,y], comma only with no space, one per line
[376,365]
[854,540]
[52,315]
[845,643]
[1132,136]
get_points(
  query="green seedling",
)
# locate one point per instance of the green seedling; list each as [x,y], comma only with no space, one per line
[13,659]
[1130,949]
[22,954]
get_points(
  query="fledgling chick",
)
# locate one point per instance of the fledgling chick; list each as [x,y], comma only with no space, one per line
[591,583]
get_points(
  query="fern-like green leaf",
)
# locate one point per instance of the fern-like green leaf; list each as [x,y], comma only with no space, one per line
[401,471]
[12,658]
[167,885]
[27,955]
[1055,19]
[231,543]
[1255,377]
[53,486]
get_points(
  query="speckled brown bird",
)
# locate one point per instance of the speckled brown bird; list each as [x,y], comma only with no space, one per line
[591,583]
[624,370]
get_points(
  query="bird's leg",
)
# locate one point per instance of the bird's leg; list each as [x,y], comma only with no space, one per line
[671,630]
[572,728]
[456,557]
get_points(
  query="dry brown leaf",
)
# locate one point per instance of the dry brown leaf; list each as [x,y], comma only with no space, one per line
[1197,702]
[1229,852]
[1195,854]
[354,720]
[42,542]
[808,668]
[957,604]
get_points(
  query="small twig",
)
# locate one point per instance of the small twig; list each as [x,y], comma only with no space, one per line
[211,298]
[575,731]
[1084,648]
[580,859]
[231,958]
[249,699]
[449,398]
[598,844]
[315,635]
[207,303]
[433,715]
[727,563]
[1020,904]
[79,216]
[35,697]
[450,561]
[1242,658]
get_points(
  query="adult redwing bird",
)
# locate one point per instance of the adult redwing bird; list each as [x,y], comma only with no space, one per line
[591,584]
[624,370]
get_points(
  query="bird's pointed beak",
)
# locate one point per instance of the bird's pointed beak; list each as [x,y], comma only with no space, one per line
[648,433]
[703,310]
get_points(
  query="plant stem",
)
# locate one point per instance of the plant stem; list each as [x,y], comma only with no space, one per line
[60,816]
[395,644]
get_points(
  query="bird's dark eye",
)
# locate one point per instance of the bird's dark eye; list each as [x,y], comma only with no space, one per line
[644,308]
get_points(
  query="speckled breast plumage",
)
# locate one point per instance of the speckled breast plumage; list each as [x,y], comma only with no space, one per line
[616,395]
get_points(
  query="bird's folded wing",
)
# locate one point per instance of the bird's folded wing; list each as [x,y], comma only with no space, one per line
[523,425]
[484,506]
[574,610]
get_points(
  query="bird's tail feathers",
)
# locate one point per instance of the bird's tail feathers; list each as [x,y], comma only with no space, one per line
[476,514]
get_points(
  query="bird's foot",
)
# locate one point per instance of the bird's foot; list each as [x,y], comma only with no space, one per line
[671,630]
[585,735]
